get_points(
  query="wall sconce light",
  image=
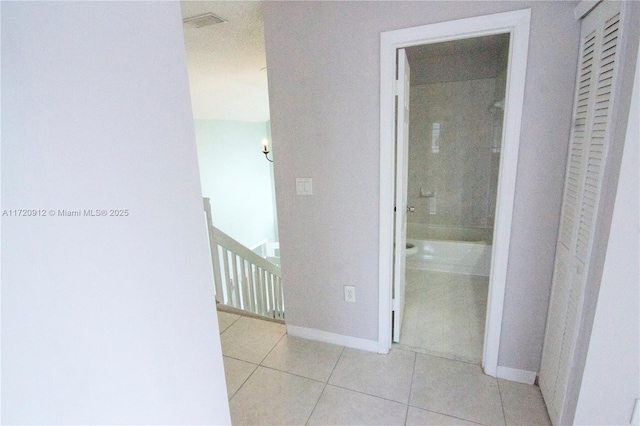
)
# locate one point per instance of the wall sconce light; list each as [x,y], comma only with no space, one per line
[265,149]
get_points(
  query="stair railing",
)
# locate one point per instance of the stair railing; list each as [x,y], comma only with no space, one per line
[243,279]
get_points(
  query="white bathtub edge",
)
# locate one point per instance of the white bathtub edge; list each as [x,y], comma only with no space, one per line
[516,375]
[459,257]
[333,338]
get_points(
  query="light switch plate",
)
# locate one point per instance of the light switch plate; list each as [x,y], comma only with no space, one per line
[304,186]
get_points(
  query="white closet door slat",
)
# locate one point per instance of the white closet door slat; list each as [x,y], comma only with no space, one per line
[577,146]
[595,156]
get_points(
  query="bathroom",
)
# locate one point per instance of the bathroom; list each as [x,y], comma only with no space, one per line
[455,132]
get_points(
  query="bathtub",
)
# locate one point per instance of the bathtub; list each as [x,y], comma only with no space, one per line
[449,249]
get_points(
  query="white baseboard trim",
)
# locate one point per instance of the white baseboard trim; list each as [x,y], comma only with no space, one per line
[333,338]
[515,375]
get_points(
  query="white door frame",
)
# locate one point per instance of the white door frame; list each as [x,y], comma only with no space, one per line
[515,23]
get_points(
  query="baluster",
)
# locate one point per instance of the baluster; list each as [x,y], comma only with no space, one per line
[231,299]
[282,295]
[272,311]
[237,292]
[252,287]
[278,291]
[224,293]
[265,289]
[246,288]
[260,289]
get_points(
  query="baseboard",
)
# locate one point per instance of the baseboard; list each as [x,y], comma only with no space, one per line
[333,338]
[515,375]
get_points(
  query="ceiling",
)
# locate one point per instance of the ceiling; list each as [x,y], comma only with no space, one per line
[227,61]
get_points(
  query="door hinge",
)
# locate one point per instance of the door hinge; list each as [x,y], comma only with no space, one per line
[396,87]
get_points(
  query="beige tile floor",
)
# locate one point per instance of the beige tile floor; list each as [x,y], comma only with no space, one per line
[275,379]
[445,314]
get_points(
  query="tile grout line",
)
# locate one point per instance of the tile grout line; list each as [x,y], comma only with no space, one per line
[504,415]
[368,394]
[272,348]
[409,405]
[248,362]
[290,373]
[227,327]
[324,387]
[413,373]
[423,351]
[230,397]
[243,383]
[448,414]
[315,405]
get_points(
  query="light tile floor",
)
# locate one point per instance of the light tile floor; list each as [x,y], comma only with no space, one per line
[444,314]
[275,379]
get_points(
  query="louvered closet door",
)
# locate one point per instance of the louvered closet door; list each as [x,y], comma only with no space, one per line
[588,145]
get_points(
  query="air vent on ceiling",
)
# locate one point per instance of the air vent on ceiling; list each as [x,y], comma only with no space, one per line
[203,20]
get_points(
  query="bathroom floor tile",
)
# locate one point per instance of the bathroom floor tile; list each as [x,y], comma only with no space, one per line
[523,404]
[411,314]
[225,319]
[271,397]
[236,372]
[303,357]
[445,314]
[428,333]
[386,376]
[456,389]
[418,416]
[338,406]
[250,339]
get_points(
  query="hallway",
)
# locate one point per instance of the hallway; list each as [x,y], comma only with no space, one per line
[280,380]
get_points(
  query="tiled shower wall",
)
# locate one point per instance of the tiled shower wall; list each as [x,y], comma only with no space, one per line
[458,174]
[456,184]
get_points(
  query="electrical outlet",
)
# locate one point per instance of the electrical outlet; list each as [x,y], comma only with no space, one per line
[349,293]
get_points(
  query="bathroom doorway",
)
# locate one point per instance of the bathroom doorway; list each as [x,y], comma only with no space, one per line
[515,26]
[457,92]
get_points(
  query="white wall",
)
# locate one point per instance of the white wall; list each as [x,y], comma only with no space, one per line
[611,379]
[323,60]
[237,178]
[105,320]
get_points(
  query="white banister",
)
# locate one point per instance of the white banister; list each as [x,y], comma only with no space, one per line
[243,279]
